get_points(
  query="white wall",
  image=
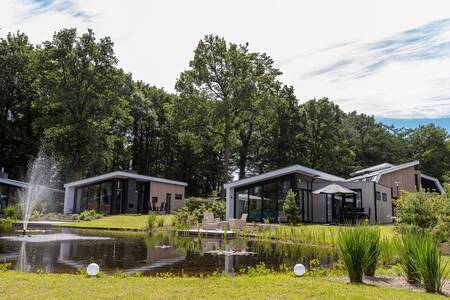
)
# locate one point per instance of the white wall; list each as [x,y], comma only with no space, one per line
[229,203]
[69,195]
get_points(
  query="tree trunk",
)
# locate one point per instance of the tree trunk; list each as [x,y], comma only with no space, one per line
[226,158]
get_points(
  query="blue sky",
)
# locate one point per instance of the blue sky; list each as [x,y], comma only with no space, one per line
[385,58]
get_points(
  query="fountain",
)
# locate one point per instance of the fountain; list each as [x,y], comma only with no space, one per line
[42,177]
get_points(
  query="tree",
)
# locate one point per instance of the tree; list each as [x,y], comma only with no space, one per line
[322,132]
[231,78]
[431,146]
[372,142]
[20,141]
[290,208]
[81,100]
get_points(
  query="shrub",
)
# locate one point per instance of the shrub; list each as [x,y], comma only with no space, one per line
[429,211]
[356,254]
[373,248]
[194,208]
[6,224]
[152,220]
[290,208]
[88,215]
[12,211]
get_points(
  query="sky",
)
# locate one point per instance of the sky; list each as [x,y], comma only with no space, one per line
[390,59]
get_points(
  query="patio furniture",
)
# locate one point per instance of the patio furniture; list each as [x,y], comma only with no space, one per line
[209,222]
[238,224]
[161,208]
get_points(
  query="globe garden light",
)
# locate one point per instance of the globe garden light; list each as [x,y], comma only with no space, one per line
[299,269]
[92,269]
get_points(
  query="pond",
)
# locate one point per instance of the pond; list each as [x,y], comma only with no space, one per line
[66,250]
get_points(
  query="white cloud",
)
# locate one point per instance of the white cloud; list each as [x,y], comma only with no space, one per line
[155,41]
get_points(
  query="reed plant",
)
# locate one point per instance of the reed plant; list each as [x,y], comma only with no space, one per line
[357,251]
[407,250]
[373,248]
[160,221]
[388,251]
[152,220]
[431,268]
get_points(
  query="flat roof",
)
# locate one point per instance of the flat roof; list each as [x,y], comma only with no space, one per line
[122,174]
[284,171]
[22,184]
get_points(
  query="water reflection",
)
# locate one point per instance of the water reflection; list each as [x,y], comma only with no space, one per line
[157,253]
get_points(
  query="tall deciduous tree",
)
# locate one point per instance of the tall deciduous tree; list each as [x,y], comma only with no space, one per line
[431,146]
[19,140]
[231,78]
[322,131]
[81,100]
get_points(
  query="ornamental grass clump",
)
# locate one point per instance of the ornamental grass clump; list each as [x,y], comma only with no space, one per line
[407,251]
[152,220]
[373,249]
[357,250]
[431,268]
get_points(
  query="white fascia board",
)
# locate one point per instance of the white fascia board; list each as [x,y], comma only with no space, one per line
[281,172]
[436,181]
[396,168]
[122,174]
[15,183]
[22,184]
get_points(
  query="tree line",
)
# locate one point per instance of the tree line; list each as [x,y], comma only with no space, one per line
[230,116]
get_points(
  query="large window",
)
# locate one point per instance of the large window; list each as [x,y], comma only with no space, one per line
[263,201]
[241,203]
[105,197]
[98,197]
[255,204]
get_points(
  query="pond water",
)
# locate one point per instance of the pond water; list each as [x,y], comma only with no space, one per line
[66,250]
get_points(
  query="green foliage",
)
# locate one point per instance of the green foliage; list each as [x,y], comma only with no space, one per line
[421,261]
[194,208]
[5,266]
[373,248]
[12,211]
[160,221]
[36,215]
[290,208]
[87,215]
[231,113]
[432,269]
[388,251]
[152,220]
[357,250]
[258,270]
[6,224]
[407,250]
[424,210]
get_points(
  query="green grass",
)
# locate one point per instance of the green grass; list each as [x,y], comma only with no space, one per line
[313,235]
[15,285]
[117,222]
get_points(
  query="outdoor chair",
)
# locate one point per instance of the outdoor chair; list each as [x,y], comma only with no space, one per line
[161,208]
[238,224]
[209,222]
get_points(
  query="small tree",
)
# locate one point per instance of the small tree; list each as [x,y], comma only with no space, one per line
[290,208]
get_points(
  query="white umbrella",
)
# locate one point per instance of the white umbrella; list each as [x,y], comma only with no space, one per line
[334,189]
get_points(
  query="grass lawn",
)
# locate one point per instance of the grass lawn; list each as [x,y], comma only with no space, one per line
[15,285]
[125,222]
